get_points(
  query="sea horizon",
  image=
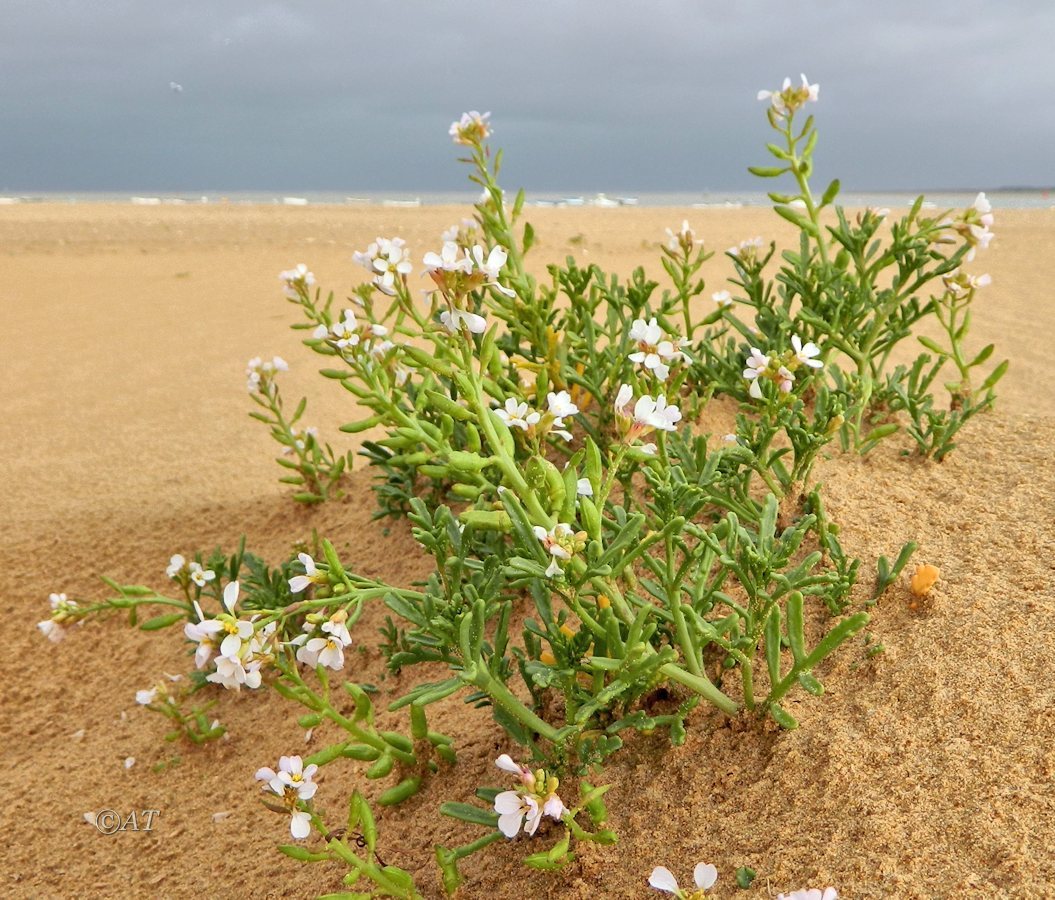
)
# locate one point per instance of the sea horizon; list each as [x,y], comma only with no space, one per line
[1008,198]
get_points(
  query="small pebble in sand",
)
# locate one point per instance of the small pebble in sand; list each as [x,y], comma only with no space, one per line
[78,735]
[219,816]
[129,762]
[923,579]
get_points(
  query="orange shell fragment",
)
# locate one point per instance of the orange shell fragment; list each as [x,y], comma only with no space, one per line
[923,579]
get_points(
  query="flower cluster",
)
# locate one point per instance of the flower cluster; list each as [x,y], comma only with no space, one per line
[325,648]
[347,333]
[654,350]
[975,225]
[456,272]
[297,281]
[242,650]
[781,371]
[62,610]
[389,261]
[186,573]
[293,784]
[472,129]
[684,240]
[789,98]
[525,806]
[517,414]
[260,374]
[562,542]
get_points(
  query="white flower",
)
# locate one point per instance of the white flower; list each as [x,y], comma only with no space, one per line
[311,575]
[583,487]
[232,674]
[785,380]
[472,128]
[300,825]
[757,363]
[292,782]
[746,248]
[259,373]
[723,298]
[144,698]
[657,413]
[175,566]
[391,262]
[514,808]
[622,400]
[203,633]
[560,405]
[449,259]
[298,276]
[453,319]
[52,630]
[492,266]
[518,415]
[684,238]
[200,576]
[343,333]
[320,651]
[805,353]
[788,99]
[705,875]
[829,893]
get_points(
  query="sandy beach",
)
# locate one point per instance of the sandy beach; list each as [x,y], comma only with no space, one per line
[928,771]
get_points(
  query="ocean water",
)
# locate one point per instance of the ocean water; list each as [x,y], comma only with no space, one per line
[943,199]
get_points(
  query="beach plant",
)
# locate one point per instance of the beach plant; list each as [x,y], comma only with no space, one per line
[602,566]
[314,469]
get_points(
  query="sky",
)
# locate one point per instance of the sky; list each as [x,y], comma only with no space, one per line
[585,95]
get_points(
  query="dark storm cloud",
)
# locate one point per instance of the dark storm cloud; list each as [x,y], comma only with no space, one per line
[588,95]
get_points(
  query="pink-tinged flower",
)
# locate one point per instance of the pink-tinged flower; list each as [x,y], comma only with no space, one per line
[515,809]
[785,380]
[806,353]
[506,764]
[472,129]
[662,879]
[757,363]
[829,893]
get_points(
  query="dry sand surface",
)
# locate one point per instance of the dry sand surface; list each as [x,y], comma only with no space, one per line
[927,772]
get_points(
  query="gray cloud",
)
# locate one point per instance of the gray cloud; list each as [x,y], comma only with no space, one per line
[588,95]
